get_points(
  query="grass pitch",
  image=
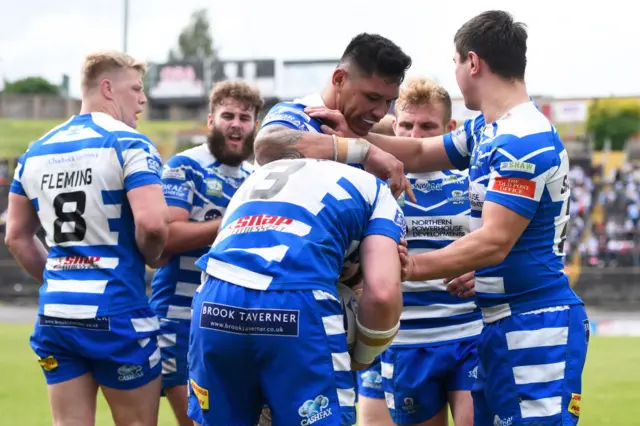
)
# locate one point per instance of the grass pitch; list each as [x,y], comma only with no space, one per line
[610,392]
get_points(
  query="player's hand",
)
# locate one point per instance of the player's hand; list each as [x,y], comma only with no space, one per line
[463,286]
[334,122]
[388,168]
[406,263]
[377,162]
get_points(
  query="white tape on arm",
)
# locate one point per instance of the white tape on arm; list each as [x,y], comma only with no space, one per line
[352,150]
[371,343]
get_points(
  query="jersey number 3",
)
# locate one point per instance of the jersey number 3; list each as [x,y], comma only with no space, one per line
[279,178]
[69,224]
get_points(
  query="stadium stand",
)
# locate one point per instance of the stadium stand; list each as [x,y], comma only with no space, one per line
[615,236]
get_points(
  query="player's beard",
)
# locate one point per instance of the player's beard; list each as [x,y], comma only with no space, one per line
[218,147]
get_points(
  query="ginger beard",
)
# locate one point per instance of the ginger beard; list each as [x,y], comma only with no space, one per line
[231,148]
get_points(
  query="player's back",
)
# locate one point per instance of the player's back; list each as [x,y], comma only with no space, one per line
[77,177]
[292,223]
[431,316]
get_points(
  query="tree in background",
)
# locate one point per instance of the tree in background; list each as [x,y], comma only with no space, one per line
[32,86]
[195,42]
[615,119]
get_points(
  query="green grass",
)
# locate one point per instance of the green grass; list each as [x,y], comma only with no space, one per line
[610,392]
[15,135]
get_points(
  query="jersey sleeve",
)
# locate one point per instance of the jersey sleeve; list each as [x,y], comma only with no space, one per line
[518,181]
[387,217]
[459,143]
[292,116]
[178,183]
[16,185]
[141,162]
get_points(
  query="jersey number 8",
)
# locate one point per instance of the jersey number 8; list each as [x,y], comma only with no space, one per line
[71,218]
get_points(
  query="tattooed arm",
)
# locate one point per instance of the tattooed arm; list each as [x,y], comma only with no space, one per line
[276,142]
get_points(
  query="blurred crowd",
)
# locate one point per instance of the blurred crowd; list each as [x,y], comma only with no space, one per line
[615,239]
[581,204]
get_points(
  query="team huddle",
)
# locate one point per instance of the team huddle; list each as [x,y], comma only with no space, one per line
[340,252]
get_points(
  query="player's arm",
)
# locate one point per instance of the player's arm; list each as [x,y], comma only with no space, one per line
[380,304]
[21,240]
[179,182]
[487,246]
[185,235]
[143,186]
[277,141]
[513,193]
[418,155]
[287,137]
[22,224]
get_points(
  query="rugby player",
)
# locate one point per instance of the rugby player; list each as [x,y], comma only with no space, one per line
[362,88]
[534,342]
[198,184]
[268,324]
[432,360]
[93,184]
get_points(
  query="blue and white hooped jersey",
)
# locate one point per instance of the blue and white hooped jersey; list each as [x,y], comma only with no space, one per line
[195,181]
[520,163]
[293,222]
[77,176]
[430,314]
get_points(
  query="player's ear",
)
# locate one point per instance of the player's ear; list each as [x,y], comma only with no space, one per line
[339,76]
[474,63]
[210,125]
[106,88]
[451,126]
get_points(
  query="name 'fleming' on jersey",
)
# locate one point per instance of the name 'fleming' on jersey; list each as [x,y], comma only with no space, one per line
[195,181]
[293,222]
[77,177]
[430,315]
[520,163]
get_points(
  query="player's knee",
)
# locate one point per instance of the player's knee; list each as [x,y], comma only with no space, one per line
[373,412]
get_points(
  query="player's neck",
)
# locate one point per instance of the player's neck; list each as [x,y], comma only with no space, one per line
[89,106]
[329,97]
[501,97]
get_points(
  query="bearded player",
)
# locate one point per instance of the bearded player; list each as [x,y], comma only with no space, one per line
[198,184]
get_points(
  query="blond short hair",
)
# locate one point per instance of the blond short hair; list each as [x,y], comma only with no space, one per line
[421,91]
[240,91]
[98,63]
